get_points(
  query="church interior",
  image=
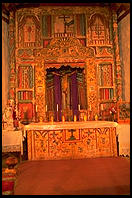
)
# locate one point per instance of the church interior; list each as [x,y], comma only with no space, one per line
[65,92]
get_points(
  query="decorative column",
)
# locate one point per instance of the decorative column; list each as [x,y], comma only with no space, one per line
[5,60]
[118,69]
[92,97]
[40,90]
[12,72]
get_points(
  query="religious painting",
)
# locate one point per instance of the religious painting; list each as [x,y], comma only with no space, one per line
[99,30]
[25,111]
[64,24]
[29,31]
[25,77]
[105,75]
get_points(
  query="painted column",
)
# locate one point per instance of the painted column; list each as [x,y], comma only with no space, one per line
[40,89]
[118,69]
[12,75]
[92,97]
[5,62]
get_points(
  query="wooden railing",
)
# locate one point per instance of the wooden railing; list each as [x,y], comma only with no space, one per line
[57,35]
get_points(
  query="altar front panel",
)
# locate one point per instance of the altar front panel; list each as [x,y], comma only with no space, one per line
[71,140]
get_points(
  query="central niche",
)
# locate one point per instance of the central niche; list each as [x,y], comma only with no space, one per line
[65,92]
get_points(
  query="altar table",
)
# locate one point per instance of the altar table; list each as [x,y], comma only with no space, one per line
[71,140]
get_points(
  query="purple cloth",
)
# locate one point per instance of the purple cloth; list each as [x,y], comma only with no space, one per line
[74,94]
[57,97]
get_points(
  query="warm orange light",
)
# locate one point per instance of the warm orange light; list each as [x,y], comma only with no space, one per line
[63,118]
[85,118]
[75,118]
[52,119]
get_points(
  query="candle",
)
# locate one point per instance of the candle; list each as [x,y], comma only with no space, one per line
[57,107]
[96,117]
[90,107]
[52,118]
[85,118]
[46,108]
[63,118]
[79,107]
[75,118]
[41,119]
[36,108]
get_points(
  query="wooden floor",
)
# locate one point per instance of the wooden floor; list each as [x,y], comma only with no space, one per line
[94,176]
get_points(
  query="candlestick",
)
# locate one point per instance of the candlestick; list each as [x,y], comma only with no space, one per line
[57,107]
[46,108]
[79,107]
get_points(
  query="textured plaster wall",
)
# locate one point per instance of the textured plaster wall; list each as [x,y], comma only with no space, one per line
[5,64]
[124,42]
[124,139]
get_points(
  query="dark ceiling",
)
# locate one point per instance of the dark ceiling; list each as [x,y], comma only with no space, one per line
[122,9]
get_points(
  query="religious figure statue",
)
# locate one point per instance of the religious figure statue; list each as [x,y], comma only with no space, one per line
[64,91]
[8,116]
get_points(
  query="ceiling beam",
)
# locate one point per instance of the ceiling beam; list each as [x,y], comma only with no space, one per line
[123,15]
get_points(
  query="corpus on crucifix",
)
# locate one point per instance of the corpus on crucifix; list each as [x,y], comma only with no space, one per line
[68,22]
[65,92]
[64,18]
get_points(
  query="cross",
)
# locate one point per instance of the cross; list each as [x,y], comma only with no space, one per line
[64,17]
[72,136]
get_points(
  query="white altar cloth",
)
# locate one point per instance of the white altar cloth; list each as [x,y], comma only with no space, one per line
[69,125]
[12,141]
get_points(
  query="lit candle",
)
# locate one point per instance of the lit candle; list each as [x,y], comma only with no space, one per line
[57,107]
[90,107]
[41,119]
[52,118]
[85,118]
[79,107]
[36,108]
[46,108]
[96,117]
[63,118]
[75,118]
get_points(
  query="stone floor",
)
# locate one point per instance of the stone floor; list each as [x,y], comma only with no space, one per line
[93,176]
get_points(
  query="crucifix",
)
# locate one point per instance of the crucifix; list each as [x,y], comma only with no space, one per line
[64,18]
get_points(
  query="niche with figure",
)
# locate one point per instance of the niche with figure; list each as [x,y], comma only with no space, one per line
[65,92]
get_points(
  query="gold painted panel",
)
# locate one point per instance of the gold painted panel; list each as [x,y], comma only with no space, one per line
[68,144]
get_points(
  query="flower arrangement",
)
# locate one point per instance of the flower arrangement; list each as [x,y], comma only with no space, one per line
[112,110]
[112,113]
[11,162]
